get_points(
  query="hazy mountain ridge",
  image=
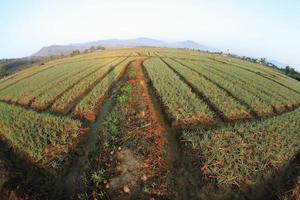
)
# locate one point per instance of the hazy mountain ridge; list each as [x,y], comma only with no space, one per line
[56,50]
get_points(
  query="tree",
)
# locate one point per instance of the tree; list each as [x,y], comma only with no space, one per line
[92,49]
[289,70]
[263,60]
[75,52]
[100,48]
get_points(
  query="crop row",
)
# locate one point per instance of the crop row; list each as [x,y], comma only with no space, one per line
[14,78]
[44,95]
[244,152]
[35,69]
[87,108]
[27,89]
[43,101]
[42,138]
[181,54]
[179,102]
[273,75]
[274,84]
[245,93]
[271,88]
[250,75]
[230,108]
[251,81]
[66,101]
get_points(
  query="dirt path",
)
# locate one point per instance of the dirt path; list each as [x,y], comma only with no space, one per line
[184,180]
[72,183]
[135,167]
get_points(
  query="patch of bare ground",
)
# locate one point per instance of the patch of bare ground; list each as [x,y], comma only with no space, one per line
[296,191]
[183,178]
[141,169]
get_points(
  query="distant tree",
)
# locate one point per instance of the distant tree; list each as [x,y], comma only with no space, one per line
[289,70]
[100,48]
[75,52]
[263,60]
[86,51]
[2,71]
[92,49]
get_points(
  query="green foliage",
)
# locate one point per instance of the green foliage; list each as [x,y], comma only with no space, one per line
[112,127]
[98,177]
[125,93]
[292,73]
[146,189]
[132,74]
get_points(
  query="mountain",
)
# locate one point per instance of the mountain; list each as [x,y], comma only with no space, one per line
[56,50]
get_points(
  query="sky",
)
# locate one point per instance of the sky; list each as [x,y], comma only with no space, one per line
[269,28]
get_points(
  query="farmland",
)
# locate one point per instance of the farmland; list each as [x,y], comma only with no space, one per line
[147,123]
[42,138]
[259,146]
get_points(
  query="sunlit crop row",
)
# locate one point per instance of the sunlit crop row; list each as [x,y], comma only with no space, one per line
[77,91]
[278,94]
[179,102]
[27,89]
[51,94]
[228,106]
[240,90]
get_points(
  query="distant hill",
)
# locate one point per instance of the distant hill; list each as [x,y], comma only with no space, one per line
[56,50]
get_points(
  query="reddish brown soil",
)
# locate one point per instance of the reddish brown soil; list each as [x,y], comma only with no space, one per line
[296,192]
[144,137]
[90,116]
[280,108]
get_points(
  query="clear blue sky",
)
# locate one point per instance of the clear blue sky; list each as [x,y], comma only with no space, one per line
[269,28]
